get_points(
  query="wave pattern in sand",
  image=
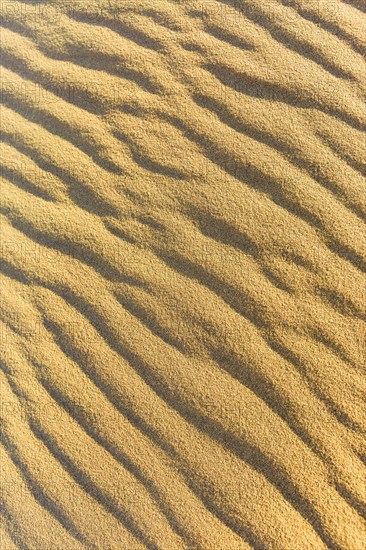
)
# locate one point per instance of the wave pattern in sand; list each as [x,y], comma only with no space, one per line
[183,245]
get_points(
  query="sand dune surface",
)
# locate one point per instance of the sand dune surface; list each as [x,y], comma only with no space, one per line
[183,249]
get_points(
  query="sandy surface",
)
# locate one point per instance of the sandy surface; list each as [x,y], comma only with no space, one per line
[183,246]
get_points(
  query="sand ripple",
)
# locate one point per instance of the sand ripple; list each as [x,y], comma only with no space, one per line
[183,254]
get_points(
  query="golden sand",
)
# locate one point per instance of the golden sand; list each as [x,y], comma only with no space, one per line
[182,290]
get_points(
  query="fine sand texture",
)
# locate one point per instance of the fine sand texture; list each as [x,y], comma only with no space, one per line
[182,315]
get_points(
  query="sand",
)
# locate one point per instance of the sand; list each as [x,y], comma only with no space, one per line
[182,291]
